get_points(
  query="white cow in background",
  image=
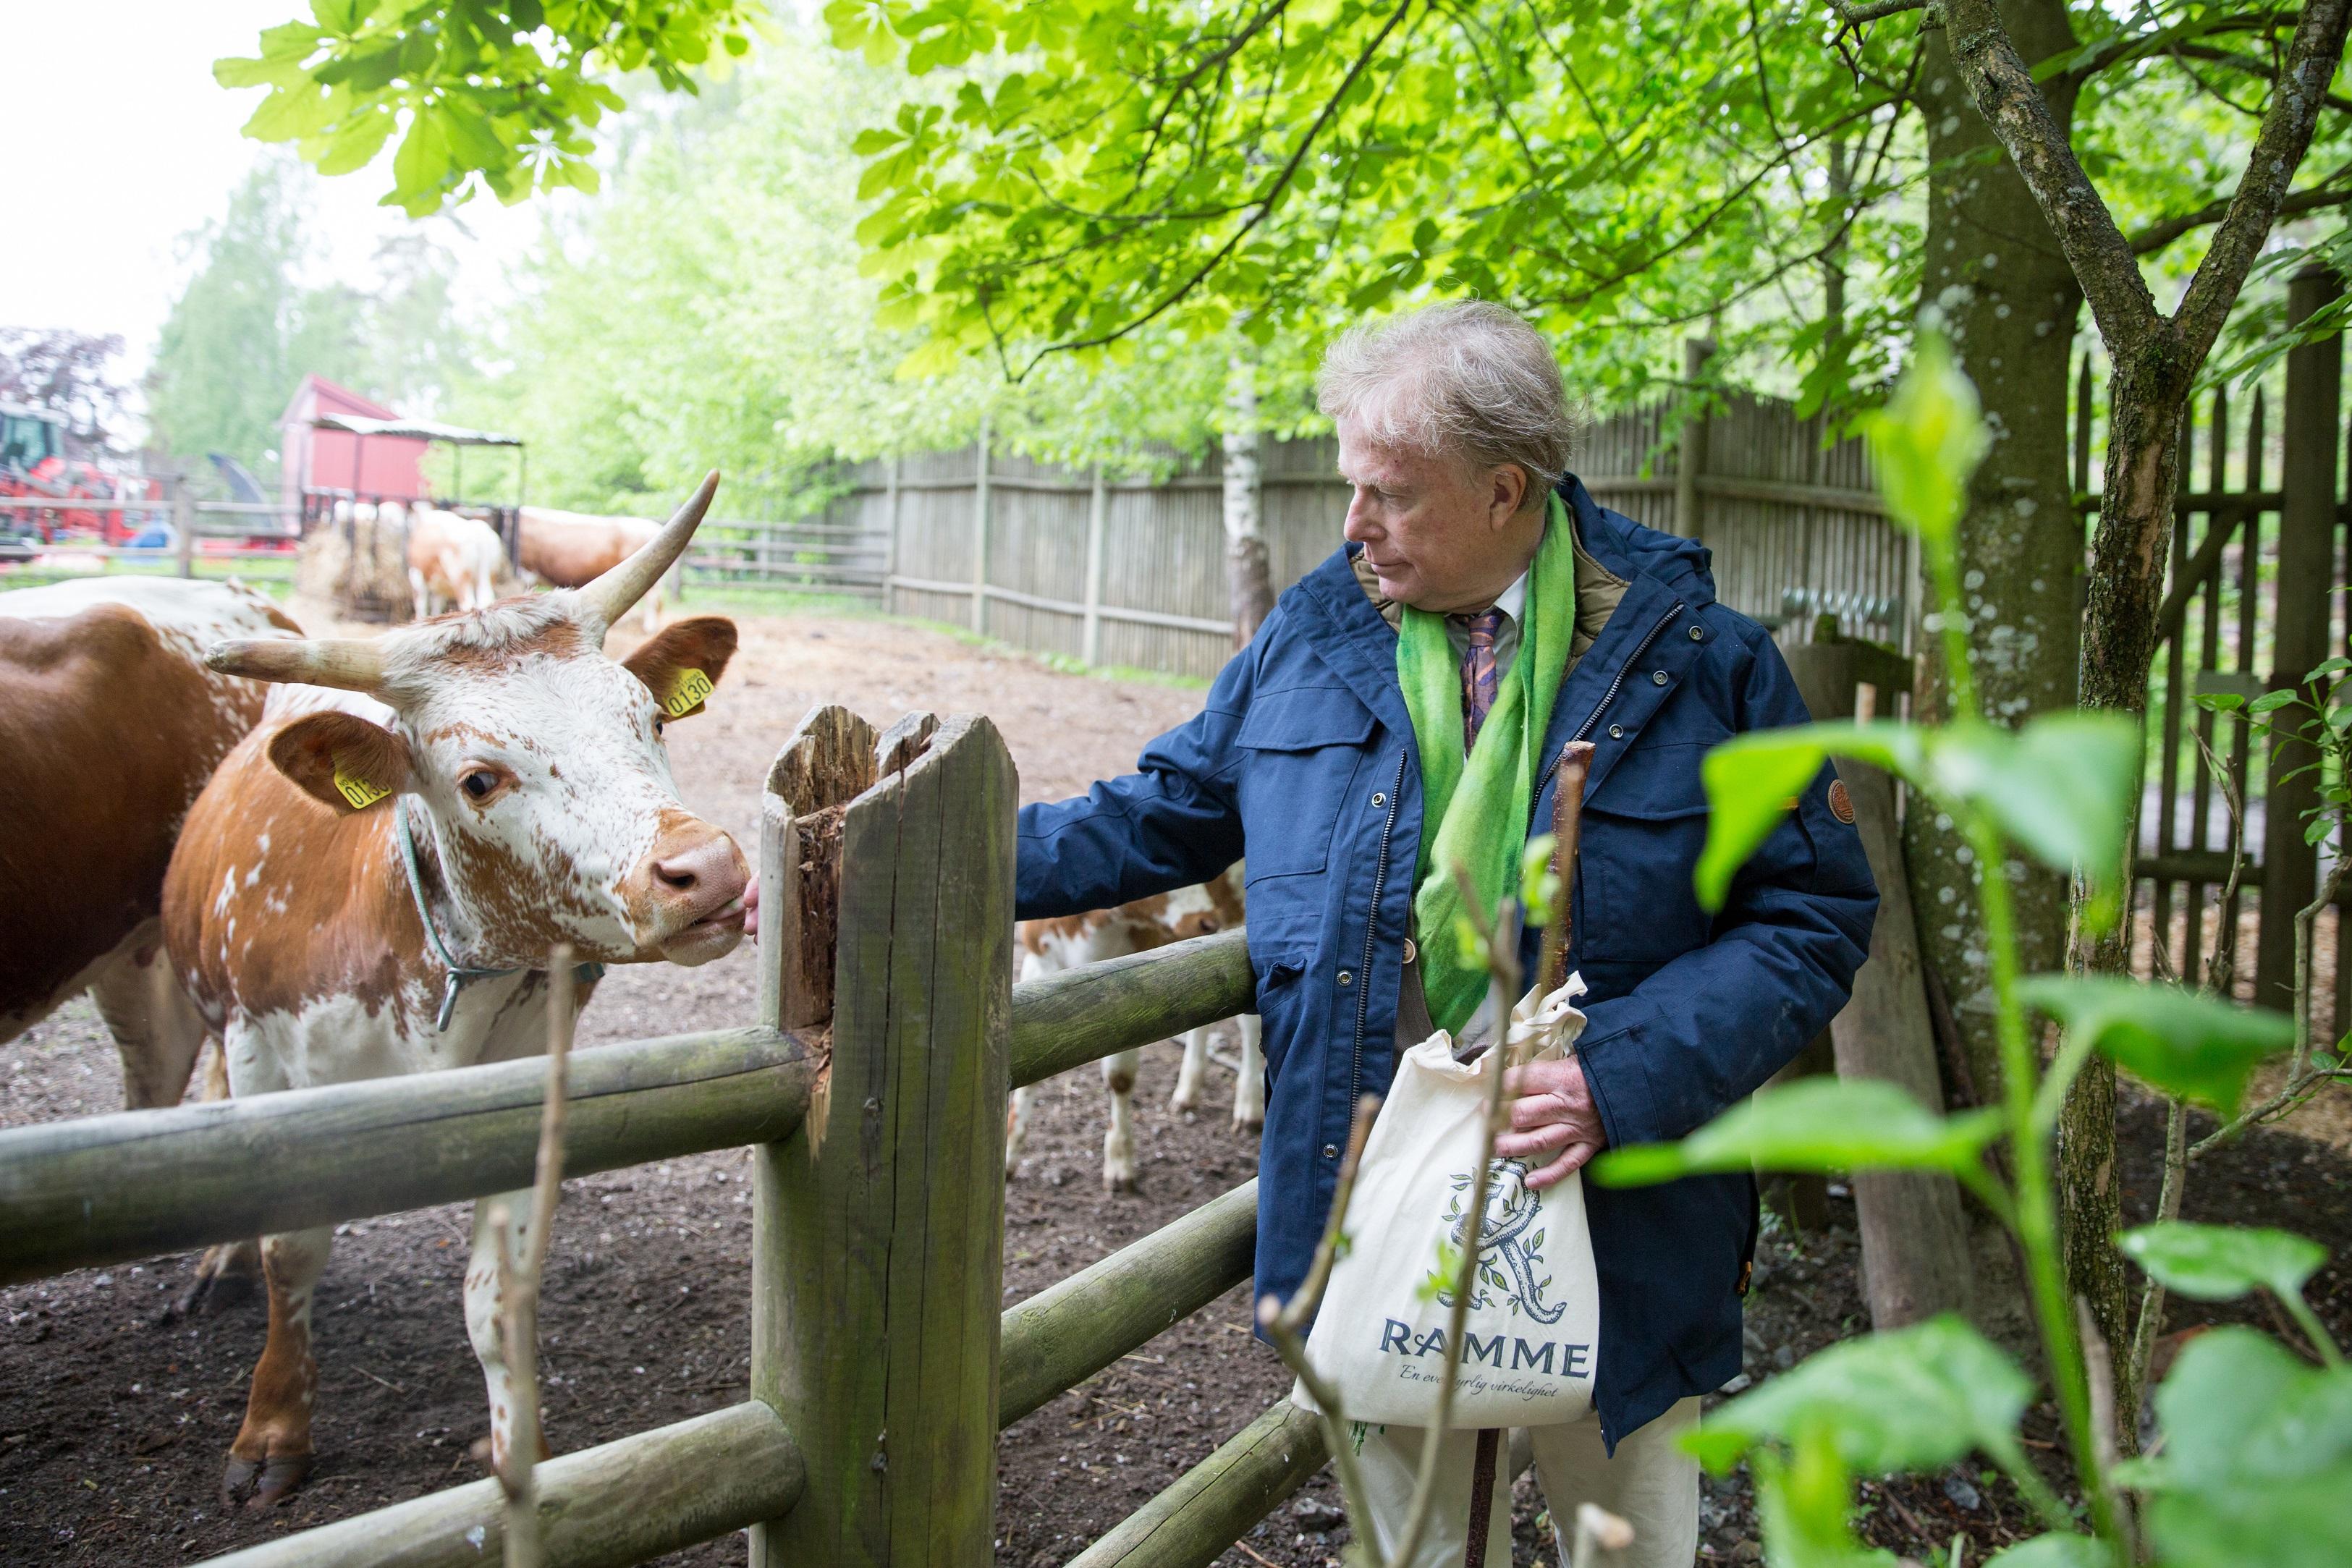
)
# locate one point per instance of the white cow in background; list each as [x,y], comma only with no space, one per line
[452,559]
[1049,947]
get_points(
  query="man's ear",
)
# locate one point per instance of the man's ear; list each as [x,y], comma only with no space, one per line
[348,762]
[682,661]
[1508,488]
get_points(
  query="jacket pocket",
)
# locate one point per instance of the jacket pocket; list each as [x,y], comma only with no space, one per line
[1278,1007]
[1301,749]
[1644,828]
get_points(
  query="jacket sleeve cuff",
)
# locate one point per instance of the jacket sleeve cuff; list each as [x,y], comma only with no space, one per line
[1617,1071]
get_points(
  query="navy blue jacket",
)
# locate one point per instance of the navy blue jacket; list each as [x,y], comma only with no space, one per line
[1304,756]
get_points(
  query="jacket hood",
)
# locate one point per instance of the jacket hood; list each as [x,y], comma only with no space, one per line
[1631,550]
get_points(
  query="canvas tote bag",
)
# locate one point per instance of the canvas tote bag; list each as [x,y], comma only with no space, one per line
[1532,1333]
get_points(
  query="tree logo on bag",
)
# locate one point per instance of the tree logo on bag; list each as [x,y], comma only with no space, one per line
[1510,1260]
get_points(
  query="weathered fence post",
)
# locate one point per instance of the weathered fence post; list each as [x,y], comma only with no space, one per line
[184,522]
[890,540]
[2307,577]
[1097,506]
[1690,455]
[980,533]
[1914,1235]
[878,1244]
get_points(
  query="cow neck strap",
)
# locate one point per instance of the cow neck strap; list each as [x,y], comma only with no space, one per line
[460,975]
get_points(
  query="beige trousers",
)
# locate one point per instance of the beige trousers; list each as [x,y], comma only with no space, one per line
[1651,1483]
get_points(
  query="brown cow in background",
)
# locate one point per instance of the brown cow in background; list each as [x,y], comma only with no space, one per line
[572,550]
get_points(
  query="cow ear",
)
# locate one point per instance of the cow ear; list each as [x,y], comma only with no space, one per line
[682,663]
[348,762]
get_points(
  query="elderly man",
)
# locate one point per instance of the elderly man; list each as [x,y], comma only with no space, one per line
[1403,710]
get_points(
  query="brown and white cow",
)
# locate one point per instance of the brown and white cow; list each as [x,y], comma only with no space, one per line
[565,550]
[110,722]
[1049,947]
[528,771]
[452,561]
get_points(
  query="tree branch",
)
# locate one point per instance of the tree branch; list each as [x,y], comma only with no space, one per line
[2286,136]
[2006,94]
[2156,235]
[1854,16]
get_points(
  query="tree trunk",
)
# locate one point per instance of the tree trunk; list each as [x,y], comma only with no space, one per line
[2146,397]
[2009,301]
[2009,305]
[1248,575]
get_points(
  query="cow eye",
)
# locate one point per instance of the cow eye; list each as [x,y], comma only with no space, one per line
[661,723]
[478,783]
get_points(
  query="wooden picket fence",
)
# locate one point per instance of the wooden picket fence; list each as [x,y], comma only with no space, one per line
[873,1089]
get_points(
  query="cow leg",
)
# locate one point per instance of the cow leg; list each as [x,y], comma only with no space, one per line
[485,1307]
[229,1274]
[272,1451]
[156,1028]
[1016,1129]
[421,593]
[1118,1144]
[1192,1078]
[1249,1081]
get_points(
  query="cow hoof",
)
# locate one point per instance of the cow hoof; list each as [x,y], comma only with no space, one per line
[262,1483]
[1116,1182]
[1184,1102]
[213,1291]
[1247,1126]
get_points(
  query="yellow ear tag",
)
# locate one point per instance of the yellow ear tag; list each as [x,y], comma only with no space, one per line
[687,693]
[356,790]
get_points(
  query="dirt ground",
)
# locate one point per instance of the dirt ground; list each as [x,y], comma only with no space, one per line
[113,1426]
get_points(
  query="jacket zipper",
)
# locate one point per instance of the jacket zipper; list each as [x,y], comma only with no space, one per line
[1371,930]
[1617,682]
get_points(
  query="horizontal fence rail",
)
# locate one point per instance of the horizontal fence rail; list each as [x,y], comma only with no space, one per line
[1082,1014]
[113,1188]
[620,1502]
[107,1189]
[1211,1505]
[658,1491]
[1073,1329]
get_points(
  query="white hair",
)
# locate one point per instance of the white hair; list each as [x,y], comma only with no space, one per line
[1468,381]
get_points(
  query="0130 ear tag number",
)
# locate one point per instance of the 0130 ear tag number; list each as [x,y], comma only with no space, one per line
[687,693]
[360,793]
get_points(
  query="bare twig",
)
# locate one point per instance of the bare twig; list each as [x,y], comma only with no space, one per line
[2303,1073]
[519,1279]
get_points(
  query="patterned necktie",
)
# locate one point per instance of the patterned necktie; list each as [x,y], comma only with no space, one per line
[1479,682]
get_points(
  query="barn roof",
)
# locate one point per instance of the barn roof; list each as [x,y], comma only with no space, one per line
[415,430]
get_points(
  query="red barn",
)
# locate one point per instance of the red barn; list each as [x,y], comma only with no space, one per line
[375,467]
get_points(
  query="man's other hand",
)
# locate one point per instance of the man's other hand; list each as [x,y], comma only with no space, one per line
[1551,1111]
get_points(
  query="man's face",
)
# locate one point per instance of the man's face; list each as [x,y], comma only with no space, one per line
[1439,536]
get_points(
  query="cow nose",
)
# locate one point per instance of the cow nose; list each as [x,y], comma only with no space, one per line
[710,871]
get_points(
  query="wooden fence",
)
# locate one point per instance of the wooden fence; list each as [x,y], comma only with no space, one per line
[1132,572]
[2255,597]
[872,1087]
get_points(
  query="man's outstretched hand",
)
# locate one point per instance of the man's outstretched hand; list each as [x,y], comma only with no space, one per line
[1551,1111]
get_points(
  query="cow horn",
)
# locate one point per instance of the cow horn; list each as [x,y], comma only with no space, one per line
[354,664]
[617,593]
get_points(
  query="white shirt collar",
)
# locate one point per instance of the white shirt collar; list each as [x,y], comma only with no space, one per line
[1513,600]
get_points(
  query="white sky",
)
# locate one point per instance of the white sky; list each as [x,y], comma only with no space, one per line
[127,143]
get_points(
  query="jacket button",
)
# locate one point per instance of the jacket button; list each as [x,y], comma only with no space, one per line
[1347,978]
[1411,952]
[1616,732]
[1331,1151]
[1698,633]
[1378,799]
[1658,677]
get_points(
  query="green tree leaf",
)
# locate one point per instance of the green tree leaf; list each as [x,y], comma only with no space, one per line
[1804,1502]
[1928,440]
[2256,1463]
[1814,1124]
[2216,1263]
[2185,1043]
[2056,1551]
[1914,1399]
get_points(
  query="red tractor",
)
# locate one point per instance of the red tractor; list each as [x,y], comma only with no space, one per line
[34,464]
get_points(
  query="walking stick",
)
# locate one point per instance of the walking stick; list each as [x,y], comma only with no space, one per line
[1551,972]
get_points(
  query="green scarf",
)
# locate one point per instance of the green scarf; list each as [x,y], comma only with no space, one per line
[1475,810]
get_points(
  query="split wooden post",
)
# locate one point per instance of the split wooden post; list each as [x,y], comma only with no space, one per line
[1915,1234]
[1690,454]
[877,1256]
[1090,634]
[2306,581]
